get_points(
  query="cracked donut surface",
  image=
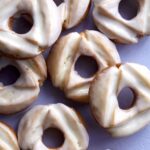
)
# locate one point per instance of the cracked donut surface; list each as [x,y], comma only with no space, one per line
[65,53]
[25,90]
[8,139]
[109,21]
[59,116]
[104,103]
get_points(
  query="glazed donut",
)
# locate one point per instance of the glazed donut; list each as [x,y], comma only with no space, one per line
[104,104]
[109,21]
[25,90]
[44,32]
[65,53]
[8,140]
[73,12]
[41,117]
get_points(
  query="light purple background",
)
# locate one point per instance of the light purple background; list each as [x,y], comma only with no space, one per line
[99,138]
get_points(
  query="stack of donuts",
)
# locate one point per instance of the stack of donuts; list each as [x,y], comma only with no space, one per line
[24,52]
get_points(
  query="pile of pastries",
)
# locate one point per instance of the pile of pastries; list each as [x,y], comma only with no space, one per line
[100,91]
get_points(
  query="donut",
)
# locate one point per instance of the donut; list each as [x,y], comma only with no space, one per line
[47,26]
[109,21]
[8,140]
[65,53]
[42,117]
[25,90]
[73,12]
[104,103]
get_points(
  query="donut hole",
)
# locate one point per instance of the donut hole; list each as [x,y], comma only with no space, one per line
[126,98]
[86,66]
[53,138]
[58,2]
[129,9]
[21,22]
[9,75]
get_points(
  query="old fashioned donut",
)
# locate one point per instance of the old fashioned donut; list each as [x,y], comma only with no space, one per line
[73,12]
[8,140]
[46,27]
[65,53]
[104,104]
[41,117]
[25,90]
[109,21]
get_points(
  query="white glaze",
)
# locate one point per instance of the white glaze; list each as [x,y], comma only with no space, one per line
[8,140]
[46,28]
[62,59]
[104,104]
[109,21]
[73,11]
[41,117]
[25,90]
